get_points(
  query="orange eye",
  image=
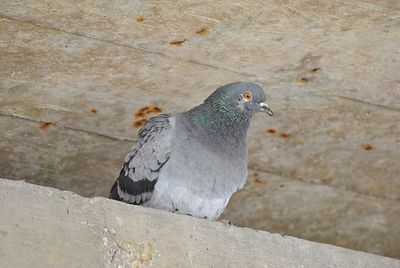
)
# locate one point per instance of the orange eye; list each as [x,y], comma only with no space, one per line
[247,95]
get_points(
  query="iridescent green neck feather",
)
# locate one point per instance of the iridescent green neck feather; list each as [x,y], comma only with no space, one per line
[220,121]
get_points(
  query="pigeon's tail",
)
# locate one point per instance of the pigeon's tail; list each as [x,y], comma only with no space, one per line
[114,192]
[132,192]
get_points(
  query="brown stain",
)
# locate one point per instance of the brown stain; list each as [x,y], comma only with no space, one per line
[304,80]
[153,110]
[140,115]
[284,135]
[177,42]
[202,31]
[259,181]
[328,180]
[271,130]
[139,123]
[315,70]
[94,111]
[255,174]
[147,110]
[368,147]
[44,125]
[139,19]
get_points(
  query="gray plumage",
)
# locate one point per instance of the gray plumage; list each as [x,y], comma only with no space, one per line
[192,162]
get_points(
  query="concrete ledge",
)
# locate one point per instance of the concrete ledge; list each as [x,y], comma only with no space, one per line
[45,227]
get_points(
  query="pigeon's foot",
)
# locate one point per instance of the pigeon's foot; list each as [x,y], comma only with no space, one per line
[225,222]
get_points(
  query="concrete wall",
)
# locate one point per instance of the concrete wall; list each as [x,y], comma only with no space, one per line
[46,227]
[74,74]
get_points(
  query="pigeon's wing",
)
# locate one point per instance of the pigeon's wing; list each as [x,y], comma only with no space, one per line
[143,163]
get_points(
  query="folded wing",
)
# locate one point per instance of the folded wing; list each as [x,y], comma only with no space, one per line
[144,161]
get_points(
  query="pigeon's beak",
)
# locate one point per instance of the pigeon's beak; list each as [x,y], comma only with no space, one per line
[263,107]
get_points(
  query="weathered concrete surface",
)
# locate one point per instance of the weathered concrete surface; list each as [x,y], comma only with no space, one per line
[318,213]
[355,44]
[331,69]
[58,61]
[45,227]
[268,202]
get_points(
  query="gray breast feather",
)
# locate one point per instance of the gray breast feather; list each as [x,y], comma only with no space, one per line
[144,161]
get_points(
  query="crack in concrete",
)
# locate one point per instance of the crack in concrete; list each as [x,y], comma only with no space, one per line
[336,187]
[385,107]
[113,255]
[92,133]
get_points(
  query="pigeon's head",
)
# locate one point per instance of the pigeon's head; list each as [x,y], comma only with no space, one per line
[249,98]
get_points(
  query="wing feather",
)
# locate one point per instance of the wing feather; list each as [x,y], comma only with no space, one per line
[144,161]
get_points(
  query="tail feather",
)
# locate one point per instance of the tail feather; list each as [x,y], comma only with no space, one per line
[114,192]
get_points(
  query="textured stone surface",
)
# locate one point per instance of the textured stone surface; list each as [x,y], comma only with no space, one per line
[56,77]
[355,44]
[29,151]
[268,202]
[46,227]
[331,69]
[317,212]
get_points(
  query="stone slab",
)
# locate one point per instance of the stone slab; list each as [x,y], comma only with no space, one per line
[46,227]
[317,212]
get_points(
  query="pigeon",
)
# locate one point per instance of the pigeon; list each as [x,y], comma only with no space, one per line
[192,162]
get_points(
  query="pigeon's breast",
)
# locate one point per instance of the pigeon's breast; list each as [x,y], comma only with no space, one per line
[198,180]
[216,168]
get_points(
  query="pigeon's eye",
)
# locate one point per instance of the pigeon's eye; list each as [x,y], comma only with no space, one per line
[247,95]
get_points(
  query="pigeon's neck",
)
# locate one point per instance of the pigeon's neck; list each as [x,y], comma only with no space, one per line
[219,123]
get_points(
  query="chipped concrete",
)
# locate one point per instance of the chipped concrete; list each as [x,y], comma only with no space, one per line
[73,77]
[46,227]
